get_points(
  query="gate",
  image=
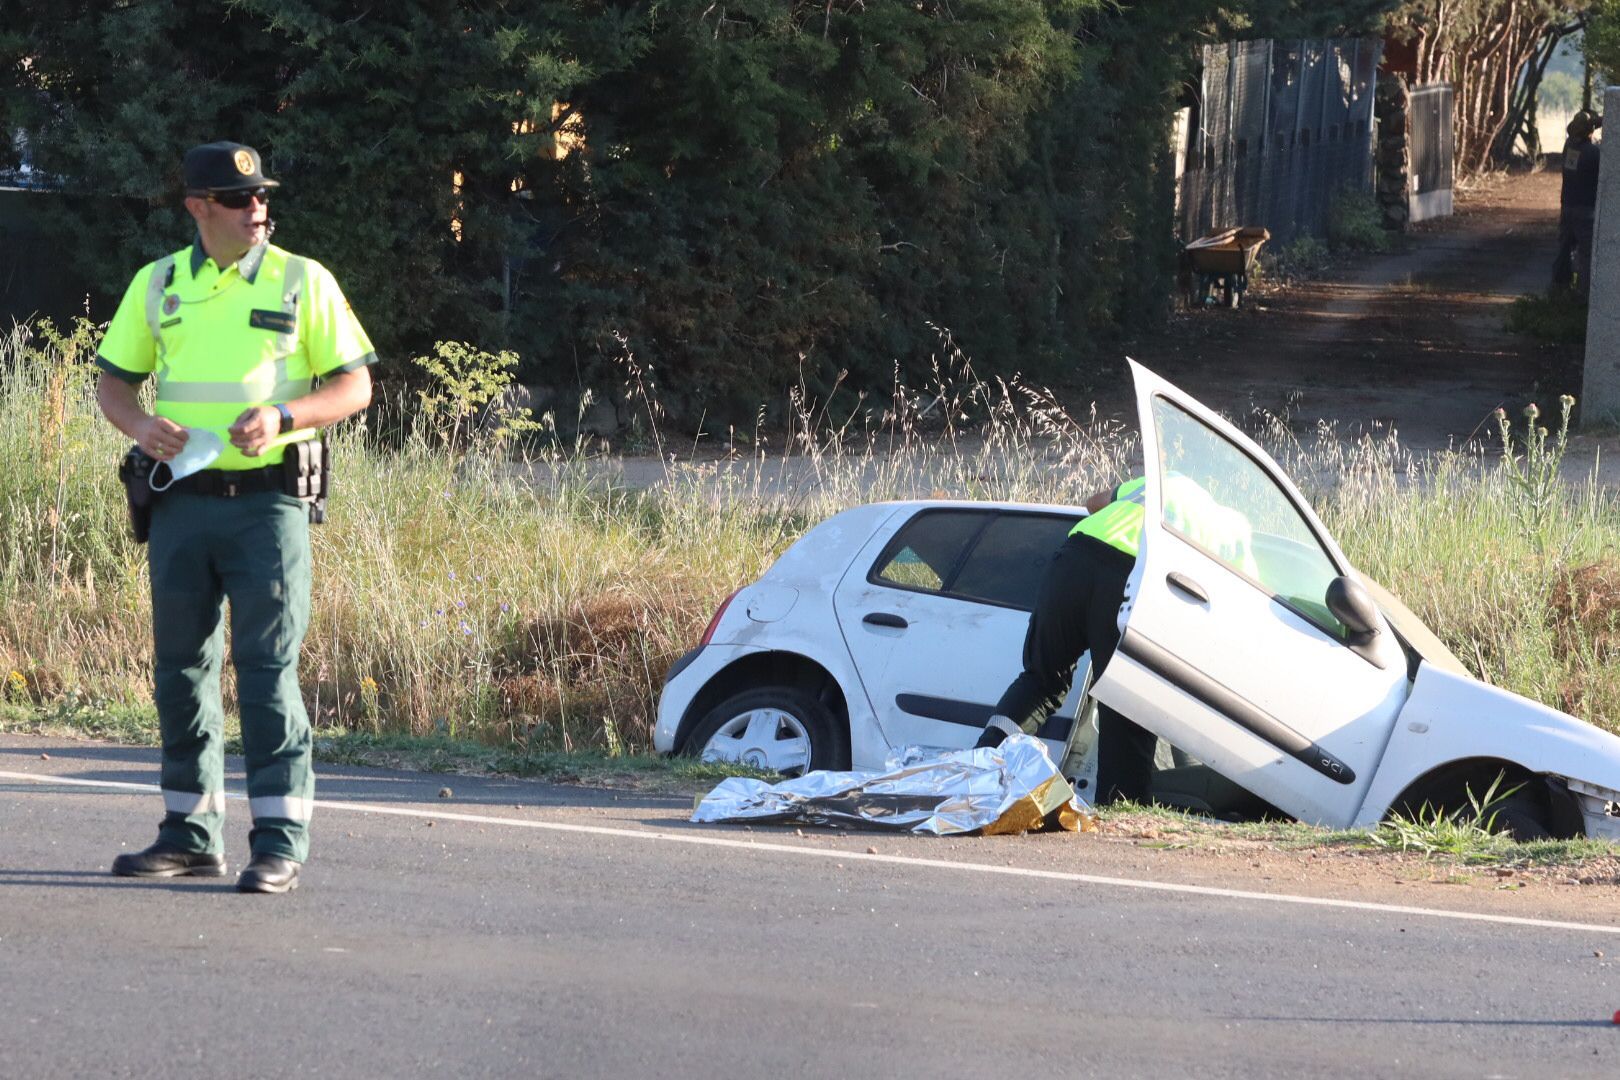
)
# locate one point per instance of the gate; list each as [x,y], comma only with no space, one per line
[1277,129]
[1433,151]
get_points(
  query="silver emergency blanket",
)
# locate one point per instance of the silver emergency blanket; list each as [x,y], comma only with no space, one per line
[1012,788]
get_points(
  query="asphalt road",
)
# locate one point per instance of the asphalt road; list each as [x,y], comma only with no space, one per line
[584,934]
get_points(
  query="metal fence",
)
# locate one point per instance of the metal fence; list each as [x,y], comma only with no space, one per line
[1278,127]
[1433,150]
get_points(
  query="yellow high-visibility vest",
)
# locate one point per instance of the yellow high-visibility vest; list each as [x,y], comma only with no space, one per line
[1119,524]
[1188,509]
[257,333]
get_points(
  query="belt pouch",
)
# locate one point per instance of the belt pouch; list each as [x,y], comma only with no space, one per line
[305,468]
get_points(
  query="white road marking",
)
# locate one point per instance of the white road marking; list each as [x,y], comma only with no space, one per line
[893,860]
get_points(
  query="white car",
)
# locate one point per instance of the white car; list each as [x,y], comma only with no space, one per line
[901,623]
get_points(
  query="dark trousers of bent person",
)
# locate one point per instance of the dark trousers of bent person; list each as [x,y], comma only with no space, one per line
[1078,609]
[1572,266]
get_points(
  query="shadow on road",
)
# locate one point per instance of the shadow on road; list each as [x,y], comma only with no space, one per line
[100,879]
[139,765]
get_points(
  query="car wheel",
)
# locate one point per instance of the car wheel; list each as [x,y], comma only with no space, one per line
[782,729]
[1522,818]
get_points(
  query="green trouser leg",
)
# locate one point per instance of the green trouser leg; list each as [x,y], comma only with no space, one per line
[254,551]
[189,639]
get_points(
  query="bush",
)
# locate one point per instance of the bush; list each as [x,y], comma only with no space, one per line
[1301,260]
[1558,316]
[1355,223]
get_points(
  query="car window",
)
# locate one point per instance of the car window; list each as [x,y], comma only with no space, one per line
[1218,498]
[926,550]
[974,554]
[1010,558]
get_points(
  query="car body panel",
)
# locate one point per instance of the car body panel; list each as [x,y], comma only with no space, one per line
[682,686]
[795,599]
[791,607]
[1451,718]
[934,681]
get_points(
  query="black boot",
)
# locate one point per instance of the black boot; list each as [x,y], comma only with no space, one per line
[166,860]
[268,873]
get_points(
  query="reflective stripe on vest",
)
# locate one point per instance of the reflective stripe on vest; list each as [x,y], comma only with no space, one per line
[1119,524]
[270,383]
[162,270]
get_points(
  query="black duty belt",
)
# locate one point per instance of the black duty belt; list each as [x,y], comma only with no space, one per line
[231,483]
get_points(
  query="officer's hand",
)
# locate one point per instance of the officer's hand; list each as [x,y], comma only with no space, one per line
[255,428]
[160,437]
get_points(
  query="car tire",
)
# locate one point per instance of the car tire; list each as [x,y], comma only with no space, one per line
[1521,817]
[783,729]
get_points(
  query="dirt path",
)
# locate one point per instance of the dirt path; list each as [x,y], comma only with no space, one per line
[1413,340]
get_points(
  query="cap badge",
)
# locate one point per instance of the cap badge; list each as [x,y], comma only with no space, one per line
[171,304]
[244,163]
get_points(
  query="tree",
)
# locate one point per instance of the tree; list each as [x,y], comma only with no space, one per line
[1602,39]
[1560,91]
[743,195]
[1494,53]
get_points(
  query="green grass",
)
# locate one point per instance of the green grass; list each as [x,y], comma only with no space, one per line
[1558,317]
[1433,839]
[1301,260]
[467,594]
[136,725]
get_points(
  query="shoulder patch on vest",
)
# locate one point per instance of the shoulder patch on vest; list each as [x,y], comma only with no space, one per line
[279,321]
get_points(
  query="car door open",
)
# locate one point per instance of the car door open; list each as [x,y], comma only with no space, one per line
[1246,637]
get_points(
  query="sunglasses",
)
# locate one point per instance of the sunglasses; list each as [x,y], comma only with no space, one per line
[238,200]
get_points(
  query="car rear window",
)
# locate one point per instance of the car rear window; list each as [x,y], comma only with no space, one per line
[1009,560]
[997,557]
[924,554]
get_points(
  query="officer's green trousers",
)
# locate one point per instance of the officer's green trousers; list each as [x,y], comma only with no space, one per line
[254,551]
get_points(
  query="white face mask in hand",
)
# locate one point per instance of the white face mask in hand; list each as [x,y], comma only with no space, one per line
[202,447]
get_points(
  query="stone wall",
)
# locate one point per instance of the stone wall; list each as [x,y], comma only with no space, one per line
[1392,156]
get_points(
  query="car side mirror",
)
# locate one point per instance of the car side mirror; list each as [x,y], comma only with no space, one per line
[1353,606]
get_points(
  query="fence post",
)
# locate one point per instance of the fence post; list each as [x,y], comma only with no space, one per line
[1600,385]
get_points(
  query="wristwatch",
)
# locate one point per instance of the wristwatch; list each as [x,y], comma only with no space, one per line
[286,418]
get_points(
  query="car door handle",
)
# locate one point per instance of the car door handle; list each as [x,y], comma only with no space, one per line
[1182,583]
[884,618]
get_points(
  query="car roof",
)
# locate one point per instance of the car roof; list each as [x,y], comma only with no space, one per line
[982,504]
[841,537]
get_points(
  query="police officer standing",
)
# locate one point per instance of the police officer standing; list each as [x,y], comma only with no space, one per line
[236,331]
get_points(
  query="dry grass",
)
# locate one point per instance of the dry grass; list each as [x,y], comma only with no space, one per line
[533,604]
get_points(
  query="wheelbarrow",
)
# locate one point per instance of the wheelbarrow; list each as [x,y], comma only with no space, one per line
[1215,268]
